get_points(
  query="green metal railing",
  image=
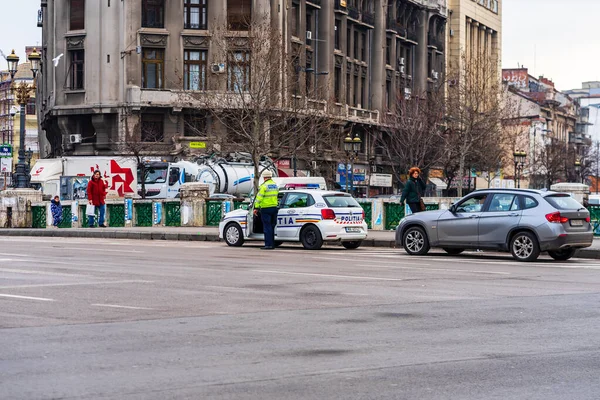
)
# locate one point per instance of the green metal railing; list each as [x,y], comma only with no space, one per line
[172,213]
[67,218]
[116,215]
[38,216]
[213,212]
[431,207]
[85,218]
[594,210]
[368,208]
[143,214]
[394,212]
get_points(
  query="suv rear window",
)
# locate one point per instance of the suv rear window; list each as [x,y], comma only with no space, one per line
[563,202]
[340,200]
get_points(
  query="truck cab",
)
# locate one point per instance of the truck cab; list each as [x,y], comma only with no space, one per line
[163,180]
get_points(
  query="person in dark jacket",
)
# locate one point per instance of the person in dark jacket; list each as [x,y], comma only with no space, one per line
[56,210]
[413,190]
[96,192]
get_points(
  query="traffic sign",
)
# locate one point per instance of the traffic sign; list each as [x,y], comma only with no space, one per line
[6,150]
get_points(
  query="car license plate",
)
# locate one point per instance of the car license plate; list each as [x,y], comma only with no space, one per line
[353,230]
[576,222]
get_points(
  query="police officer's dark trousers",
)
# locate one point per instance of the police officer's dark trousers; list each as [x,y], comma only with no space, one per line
[269,220]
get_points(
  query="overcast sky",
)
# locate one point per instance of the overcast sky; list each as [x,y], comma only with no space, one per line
[559,39]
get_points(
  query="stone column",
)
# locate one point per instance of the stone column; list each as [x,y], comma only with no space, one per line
[193,200]
[421,70]
[377,61]
[324,46]
[15,207]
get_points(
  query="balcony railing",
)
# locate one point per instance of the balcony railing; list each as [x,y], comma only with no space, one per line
[434,40]
[315,2]
[412,35]
[392,25]
[368,18]
[353,12]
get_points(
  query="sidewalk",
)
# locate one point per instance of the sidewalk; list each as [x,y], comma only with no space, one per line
[211,234]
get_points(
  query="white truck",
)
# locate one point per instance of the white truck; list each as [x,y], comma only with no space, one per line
[162,179]
[68,176]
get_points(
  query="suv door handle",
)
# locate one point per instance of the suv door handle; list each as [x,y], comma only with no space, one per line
[513,215]
[474,216]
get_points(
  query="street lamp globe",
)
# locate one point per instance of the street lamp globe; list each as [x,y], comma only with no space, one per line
[35,60]
[13,63]
[348,143]
[356,144]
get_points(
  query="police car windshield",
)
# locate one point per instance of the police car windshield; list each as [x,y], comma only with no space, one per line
[340,200]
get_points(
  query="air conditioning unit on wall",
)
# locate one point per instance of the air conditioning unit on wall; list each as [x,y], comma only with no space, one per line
[74,138]
[217,68]
[308,35]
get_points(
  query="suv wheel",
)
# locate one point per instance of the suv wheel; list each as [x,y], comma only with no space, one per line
[561,255]
[524,246]
[415,241]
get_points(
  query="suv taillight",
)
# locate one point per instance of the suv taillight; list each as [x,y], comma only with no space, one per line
[327,213]
[555,217]
[588,219]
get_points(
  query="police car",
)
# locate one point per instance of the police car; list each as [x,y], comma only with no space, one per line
[309,216]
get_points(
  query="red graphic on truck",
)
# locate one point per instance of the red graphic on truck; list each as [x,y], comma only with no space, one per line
[120,178]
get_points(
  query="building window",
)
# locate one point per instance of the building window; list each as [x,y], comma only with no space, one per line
[194,124]
[76,69]
[153,13]
[348,39]
[348,87]
[239,14]
[195,68]
[152,68]
[363,86]
[195,14]
[355,45]
[238,71]
[337,85]
[152,128]
[356,92]
[30,107]
[388,94]
[76,15]
[337,28]
[295,19]
[363,49]
[388,51]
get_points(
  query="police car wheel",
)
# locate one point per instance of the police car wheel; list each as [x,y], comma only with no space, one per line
[352,245]
[234,235]
[311,238]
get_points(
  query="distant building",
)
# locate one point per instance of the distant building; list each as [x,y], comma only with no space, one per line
[588,98]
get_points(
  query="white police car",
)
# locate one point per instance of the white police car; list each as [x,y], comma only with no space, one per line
[309,216]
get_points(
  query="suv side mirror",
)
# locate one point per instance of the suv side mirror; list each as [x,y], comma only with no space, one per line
[453,208]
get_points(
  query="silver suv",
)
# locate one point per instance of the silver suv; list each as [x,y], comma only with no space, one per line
[524,222]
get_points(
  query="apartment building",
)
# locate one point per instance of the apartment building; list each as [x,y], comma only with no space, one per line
[127,61]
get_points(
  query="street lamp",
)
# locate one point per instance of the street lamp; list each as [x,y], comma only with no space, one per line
[352,148]
[23,94]
[520,157]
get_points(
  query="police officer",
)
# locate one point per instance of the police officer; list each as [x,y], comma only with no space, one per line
[266,202]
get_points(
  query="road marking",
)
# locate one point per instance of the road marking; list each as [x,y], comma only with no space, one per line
[25,271]
[126,307]
[328,276]
[442,269]
[73,284]
[14,296]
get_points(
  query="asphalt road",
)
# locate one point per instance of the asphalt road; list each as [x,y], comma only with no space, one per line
[119,319]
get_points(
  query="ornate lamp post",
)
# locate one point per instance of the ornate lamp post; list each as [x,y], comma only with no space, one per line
[23,94]
[352,148]
[520,158]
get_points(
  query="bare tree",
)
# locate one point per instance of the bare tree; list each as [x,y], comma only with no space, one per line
[259,106]
[413,132]
[474,109]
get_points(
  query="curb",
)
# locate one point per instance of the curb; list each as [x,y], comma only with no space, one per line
[187,237]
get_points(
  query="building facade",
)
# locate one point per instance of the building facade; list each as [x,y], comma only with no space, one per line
[475,27]
[107,63]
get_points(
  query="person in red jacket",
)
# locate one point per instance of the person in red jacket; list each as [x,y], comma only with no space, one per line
[96,193]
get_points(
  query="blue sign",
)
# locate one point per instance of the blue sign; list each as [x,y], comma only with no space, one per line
[6,150]
[157,213]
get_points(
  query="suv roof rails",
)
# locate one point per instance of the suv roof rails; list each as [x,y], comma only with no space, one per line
[508,190]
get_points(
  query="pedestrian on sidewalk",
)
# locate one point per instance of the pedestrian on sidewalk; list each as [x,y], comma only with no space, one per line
[413,191]
[96,192]
[56,210]
[266,202]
